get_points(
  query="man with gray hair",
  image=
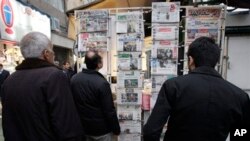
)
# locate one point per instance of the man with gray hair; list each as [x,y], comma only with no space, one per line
[37,100]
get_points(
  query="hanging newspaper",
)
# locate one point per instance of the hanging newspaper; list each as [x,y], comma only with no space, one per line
[130,127]
[193,34]
[165,11]
[131,113]
[203,21]
[129,42]
[164,54]
[92,41]
[165,32]
[164,66]
[131,22]
[129,60]
[158,80]
[153,99]
[166,60]
[129,79]
[165,43]
[129,96]
[92,20]
[129,137]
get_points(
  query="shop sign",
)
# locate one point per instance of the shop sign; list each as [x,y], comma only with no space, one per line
[16,20]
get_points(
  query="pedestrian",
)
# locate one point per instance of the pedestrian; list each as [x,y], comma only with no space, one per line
[94,101]
[4,74]
[199,106]
[67,69]
[37,101]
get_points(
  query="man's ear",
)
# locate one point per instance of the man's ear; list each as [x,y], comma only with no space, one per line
[191,63]
[190,60]
[100,65]
[46,54]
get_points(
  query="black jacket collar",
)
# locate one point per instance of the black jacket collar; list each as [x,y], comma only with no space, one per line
[206,70]
[32,63]
[92,72]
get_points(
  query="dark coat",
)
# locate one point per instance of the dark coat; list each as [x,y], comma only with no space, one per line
[201,106]
[69,73]
[94,101]
[4,75]
[38,104]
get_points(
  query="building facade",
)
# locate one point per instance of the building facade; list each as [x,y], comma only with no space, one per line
[55,9]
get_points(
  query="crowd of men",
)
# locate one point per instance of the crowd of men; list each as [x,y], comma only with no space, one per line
[42,102]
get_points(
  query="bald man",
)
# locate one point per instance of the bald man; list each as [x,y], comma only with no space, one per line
[94,101]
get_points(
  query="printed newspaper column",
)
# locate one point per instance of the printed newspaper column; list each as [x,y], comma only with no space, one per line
[165,35]
[202,21]
[130,34]
[92,30]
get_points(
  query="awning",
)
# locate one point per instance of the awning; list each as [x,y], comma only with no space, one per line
[62,41]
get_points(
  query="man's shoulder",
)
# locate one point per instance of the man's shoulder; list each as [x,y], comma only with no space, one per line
[235,89]
[5,71]
[177,79]
[95,77]
[51,69]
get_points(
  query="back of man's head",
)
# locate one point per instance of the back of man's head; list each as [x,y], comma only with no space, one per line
[33,44]
[92,59]
[204,51]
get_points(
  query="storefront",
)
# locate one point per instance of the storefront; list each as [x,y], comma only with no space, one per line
[16,21]
[63,49]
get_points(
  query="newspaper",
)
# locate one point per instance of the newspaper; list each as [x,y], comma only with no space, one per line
[130,127]
[129,96]
[129,79]
[164,60]
[165,53]
[204,12]
[165,32]
[158,80]
[129,42]
[129,137]
[165,43]
[94,40]
[203,21]
[92,20]
[193,34]
[130,22]
[153,99]
[129,113]
[164,66]
[165,11]
[129,60]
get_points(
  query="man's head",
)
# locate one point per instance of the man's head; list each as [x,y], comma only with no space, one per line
[93,60]
[203,52]
[37,45]
[66,65]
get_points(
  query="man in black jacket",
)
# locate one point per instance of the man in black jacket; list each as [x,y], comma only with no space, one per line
[4,74]
[37,101]
[94,101]
[200,106]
